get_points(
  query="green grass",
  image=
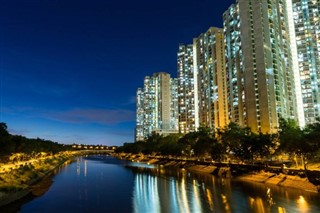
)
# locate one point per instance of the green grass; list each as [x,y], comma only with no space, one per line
[19,178]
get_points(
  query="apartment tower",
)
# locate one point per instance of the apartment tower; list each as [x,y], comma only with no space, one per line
[187,90]
[306,21]
[259,71]
[209,67]
[156,109]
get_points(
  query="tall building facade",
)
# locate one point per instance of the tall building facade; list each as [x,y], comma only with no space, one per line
[306,19]
[262,66]
[260,76]
[174,116]
[156,107]
[187,90]
[234,66]
[140,112]
[209,67]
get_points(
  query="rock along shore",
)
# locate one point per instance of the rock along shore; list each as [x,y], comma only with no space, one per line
[238,172]
[283,180]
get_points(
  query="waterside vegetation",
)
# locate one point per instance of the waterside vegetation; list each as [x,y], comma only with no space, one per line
[235,143]
[16,179]
[18,148]
[24,162]
[291,149]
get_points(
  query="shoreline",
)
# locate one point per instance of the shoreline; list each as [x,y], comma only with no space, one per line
[25,187]
[22,186]
[232,171]
[20,182]
[283,180]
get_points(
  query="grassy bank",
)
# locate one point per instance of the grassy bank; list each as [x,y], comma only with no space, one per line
[15,182]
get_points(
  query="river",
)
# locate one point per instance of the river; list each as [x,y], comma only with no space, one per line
[106,184]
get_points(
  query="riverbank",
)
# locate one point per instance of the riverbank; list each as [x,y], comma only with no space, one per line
[276,176]
[20,180]
[282,180]
[16,182]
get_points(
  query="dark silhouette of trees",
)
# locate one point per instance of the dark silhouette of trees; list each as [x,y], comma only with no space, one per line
[312,138]
[245,145]
[169,145]
[19,144]
[187,143]
[235,142]
[299,142]
[291,138]
[3,130]
[134,148]
[155,144]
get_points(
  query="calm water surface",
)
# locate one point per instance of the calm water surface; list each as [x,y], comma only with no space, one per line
[106,184]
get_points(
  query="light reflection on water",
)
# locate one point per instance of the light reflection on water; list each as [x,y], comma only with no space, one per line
[302,204]
[159,190]
[105,184]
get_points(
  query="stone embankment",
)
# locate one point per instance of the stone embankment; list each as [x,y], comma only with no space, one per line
[283,180]
[253,173]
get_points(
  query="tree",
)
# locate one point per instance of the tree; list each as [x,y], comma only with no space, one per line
[218,150]
[152,144]
[134,148]
[187,142]
[311,137]
[198,143]
[203,141]
[292,140]
[291,137]
[244,144]
[169,145]
[3,129]
[265,146]
[232,137]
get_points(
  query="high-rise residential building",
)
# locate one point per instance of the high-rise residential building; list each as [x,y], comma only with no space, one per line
[234,66]
[295,65]
[156,108]
[187,90]
[139,130]
[163,100]
[149,106]
[260,78]
[174,116]
[306,21]
[209,67]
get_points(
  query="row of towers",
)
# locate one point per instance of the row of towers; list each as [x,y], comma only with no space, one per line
[262,66]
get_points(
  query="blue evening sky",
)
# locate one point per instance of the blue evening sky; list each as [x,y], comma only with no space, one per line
[69,69]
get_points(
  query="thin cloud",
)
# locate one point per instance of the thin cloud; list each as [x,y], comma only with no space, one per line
[78,115]
[15,110]
[53,90]
[19,131]
[132,100]
[98,116]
